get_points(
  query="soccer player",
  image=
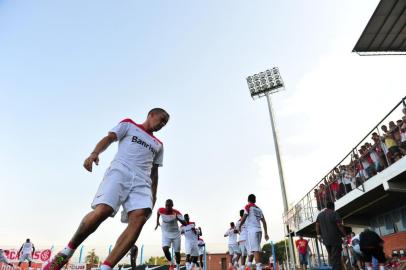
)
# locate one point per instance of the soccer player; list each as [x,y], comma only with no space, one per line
[253,217]
[3,258]
[242,240]
[233,248]
[170,231]
[191,234]
[26,252]
[201,244]
[131,181]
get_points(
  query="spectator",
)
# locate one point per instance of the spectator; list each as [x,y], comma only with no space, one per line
[356,252]
[371,245]
[302,246]
[329,229]
[403,133]
[394,153]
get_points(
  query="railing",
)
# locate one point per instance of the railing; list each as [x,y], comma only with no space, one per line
[366,159]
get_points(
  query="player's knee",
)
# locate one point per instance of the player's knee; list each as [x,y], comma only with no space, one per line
[103,211]
[138,217]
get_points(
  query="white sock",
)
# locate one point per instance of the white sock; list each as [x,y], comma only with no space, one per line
[381,267]
[249,265]
[369,267]
[188,266]
[258,266]
[68,251]
[105,267]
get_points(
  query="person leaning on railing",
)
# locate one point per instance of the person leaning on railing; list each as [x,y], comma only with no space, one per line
[403,133]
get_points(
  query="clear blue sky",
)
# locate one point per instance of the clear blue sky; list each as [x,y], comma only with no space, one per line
[70,70]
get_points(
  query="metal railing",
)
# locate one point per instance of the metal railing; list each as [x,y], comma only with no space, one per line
[366,159]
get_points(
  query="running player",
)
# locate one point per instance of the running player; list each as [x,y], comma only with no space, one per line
[202,246]
[130,181]
[3,258]
[253,217]
[191,234]
[242,241]
[233,249]
[170,231]
[26,252]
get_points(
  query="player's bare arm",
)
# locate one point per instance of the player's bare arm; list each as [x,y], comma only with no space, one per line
[243,219]
[265,228]
[154,186]
[157,220]
[181,221]
[100,147]
[33,250]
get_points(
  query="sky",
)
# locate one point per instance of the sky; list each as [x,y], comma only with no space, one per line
[71,70]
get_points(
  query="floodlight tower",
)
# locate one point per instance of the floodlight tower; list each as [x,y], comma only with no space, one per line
[260,85]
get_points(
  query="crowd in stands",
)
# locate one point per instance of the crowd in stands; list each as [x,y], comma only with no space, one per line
[386,147]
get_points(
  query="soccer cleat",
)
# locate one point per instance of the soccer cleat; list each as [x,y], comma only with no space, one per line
[57,262]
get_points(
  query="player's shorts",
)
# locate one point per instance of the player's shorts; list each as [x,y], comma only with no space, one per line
[254,242]
[191,248]
[233,249]
[201,250]
[174,242]
[122,186]
[243,248]
[25,257]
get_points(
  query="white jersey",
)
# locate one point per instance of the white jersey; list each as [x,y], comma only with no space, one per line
[254,217]
[169,224]
[27,248]
[190,231]
[138,149]
[232,236]
[243,231]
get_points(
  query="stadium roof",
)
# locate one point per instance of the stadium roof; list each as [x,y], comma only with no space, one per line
[385,32]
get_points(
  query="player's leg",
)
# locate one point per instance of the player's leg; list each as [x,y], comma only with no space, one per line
[136,220]
[167,253]
[188,261]
[256,249]
[176,250]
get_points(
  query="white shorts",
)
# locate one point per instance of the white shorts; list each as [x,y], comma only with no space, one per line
[174,242]
[191,248]
[243,247]
[24,257]
[122,186]
[201,250]
[254,242]
[233,249]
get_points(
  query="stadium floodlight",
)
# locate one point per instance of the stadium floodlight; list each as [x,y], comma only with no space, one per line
[264,84]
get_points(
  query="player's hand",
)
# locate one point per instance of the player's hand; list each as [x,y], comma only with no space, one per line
[88,164]
[156,227]
[266,237]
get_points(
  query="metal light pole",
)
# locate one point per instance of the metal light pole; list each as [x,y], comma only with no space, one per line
[264,84]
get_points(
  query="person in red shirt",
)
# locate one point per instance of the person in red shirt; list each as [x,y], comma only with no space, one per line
[302,246]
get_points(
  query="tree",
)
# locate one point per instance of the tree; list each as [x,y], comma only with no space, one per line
[157,261]
[279,250]
[92,257]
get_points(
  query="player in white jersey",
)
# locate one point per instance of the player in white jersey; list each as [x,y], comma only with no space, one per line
[242,240]
[3,258]
[233,249]
[26,252]
[252,218]
[191,234]
[131,181]
[170,231]
[202,247]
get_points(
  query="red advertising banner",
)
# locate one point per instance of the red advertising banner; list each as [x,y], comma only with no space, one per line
[38,256]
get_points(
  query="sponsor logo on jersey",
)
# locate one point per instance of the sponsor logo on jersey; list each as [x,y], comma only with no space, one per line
[135,139]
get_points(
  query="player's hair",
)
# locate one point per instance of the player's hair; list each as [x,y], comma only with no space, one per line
[330,205]
[241,212]
[252,198]
[232,224]
[28,240]
[158,111]
[169,200]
